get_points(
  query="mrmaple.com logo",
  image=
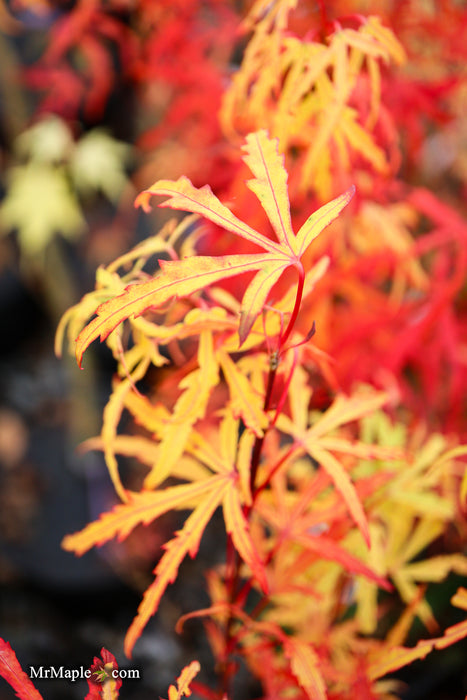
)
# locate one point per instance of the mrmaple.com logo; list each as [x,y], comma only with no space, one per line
[97,675]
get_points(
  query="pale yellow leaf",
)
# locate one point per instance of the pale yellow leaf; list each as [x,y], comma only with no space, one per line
[189,408]
[436,568]
[244,401]
[186,542]
[49,140]
[40,204]
[270,183]
[346,409]
[342,482]
[141,508]
[111,419]
[98,164]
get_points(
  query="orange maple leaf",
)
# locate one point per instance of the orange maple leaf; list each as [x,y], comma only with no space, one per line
[202,497]
[399,656]
[182,278]
[314,440]
[183,681]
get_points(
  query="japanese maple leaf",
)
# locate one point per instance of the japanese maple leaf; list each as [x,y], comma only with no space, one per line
[220,488]
[320,444]
[182,278]
[11,670]
[183,681]
[390,659]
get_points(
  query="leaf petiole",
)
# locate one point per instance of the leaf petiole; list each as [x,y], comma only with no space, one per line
[298,300]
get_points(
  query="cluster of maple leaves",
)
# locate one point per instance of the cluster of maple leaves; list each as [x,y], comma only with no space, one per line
[309,315]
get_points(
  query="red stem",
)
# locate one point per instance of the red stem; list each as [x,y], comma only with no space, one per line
[298,300]
[233,559]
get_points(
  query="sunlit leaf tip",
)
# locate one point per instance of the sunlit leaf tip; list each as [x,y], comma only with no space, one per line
[142,200]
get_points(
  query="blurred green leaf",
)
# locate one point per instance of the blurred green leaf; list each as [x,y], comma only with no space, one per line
[98,163]
[39,204]
[48,141]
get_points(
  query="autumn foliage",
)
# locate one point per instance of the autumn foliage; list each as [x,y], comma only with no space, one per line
[291,352]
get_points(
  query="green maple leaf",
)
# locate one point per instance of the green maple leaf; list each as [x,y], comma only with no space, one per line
[39,204]
[97,164]
[48,141]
